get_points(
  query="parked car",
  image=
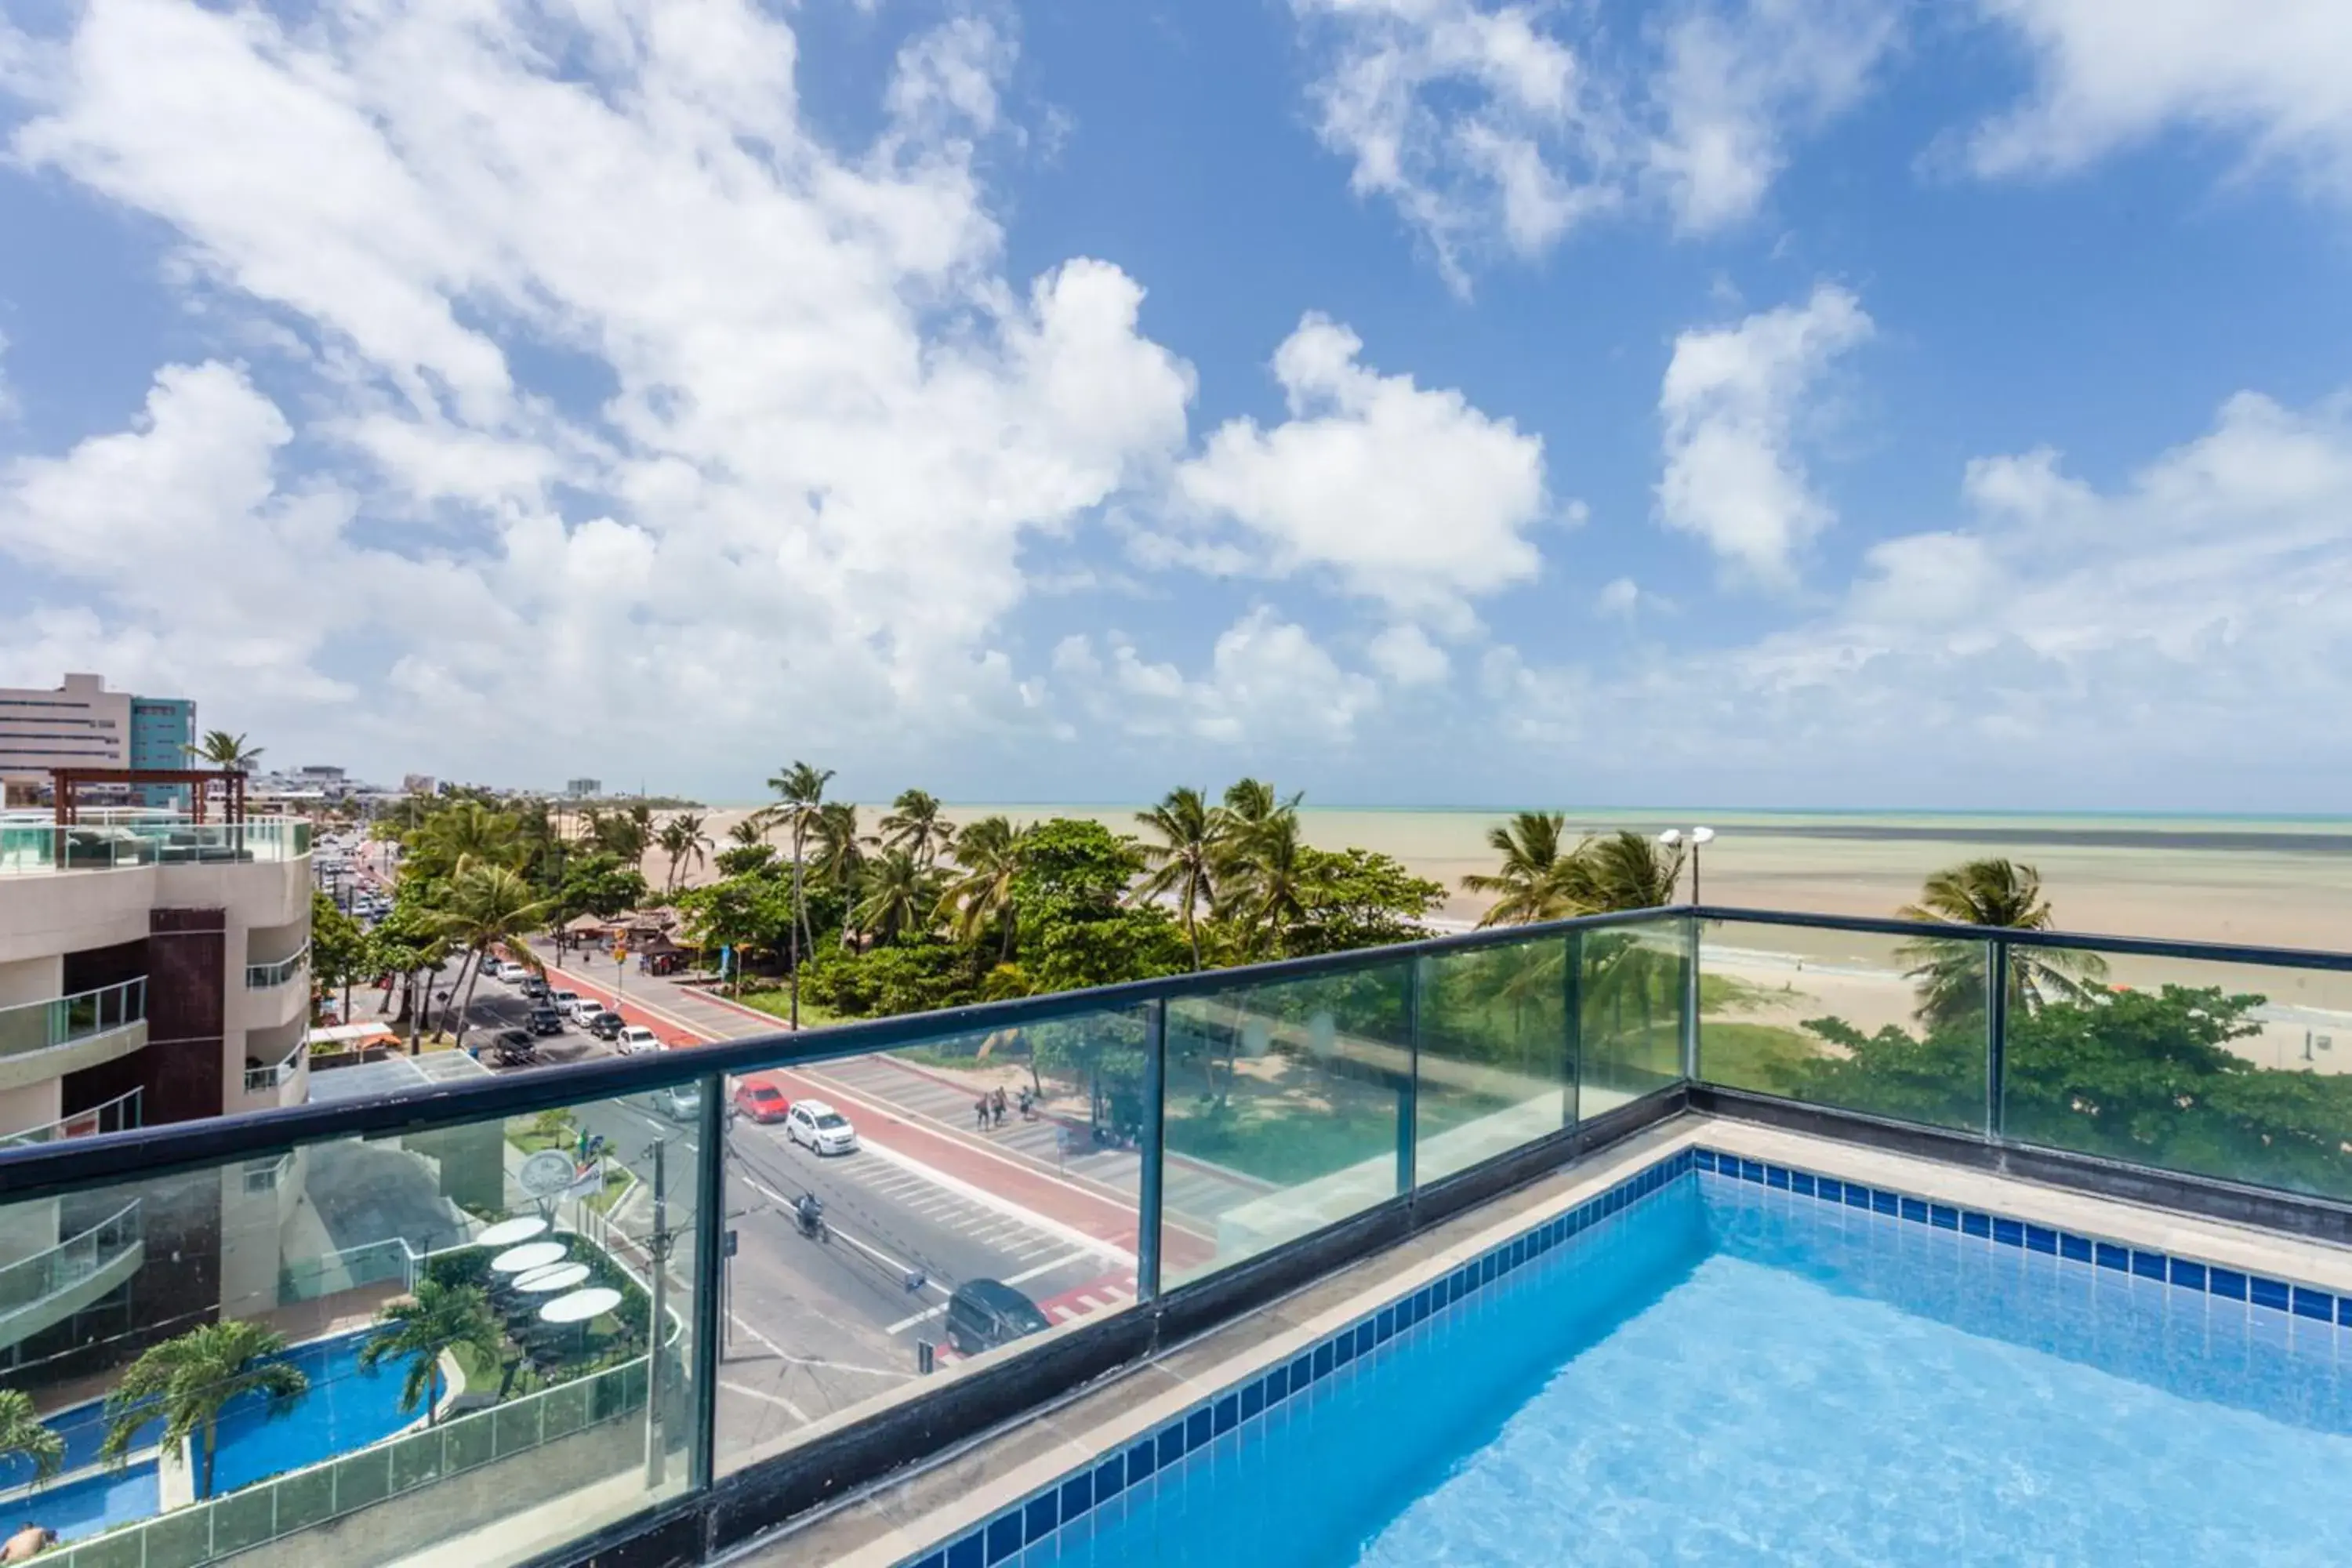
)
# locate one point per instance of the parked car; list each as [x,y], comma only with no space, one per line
[681,1102]
[607,1025]
[636,1037]
[535,988]
[565,1001]
[514,1039]
[819,1126]
[584,1008]
[545,1020]
[495,968]
[985,1313]
[758,1098]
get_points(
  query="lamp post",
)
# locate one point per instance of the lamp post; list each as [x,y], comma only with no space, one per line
[1694,836]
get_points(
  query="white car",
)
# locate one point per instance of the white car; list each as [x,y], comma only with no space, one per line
[581,1008]
[495,968]
[820,1127]
[636,1037]
[564,1001]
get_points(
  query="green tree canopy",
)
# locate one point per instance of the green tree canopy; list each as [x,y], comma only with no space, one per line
[186,1382]
[418,1329]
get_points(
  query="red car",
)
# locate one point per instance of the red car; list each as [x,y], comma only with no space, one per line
[759,1098]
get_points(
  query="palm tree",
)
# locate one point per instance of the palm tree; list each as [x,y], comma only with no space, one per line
[1950,972]
[800,797]
[987,861]
[898,893]
[683,840]
[840,858]
[1265,881]
[1184,862]
[748,834]
[1527,887]
[1623,870]
[488,906]
[23,1435]
[186,1382]
[420,1329]
[466,832]
[226,752]
[914,825]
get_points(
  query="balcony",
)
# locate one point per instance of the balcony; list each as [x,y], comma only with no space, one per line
[41,1040]
[117,1115]
[1292,1164]
[114,841]
[42,1291]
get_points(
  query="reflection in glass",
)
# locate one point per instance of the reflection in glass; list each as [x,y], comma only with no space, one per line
[1496,1069]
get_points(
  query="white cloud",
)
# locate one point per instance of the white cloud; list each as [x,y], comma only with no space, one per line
[1408,495]
[1620,598]
[1731,405]
[1498,129]
[2108,76]
[1268,680]
[1406,656]
[807,425]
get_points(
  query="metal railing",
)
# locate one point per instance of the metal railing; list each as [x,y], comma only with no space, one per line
[62,1020]
[117,1115]
[260,977]
[1453,1055]
[68,1263]
[37,847]
[264,1080]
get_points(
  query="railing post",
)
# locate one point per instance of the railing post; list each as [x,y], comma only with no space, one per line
[710,1297]
[1408,1090]
[1690,1004]
[1996,1033]
[1572,1105]
[1149,1185]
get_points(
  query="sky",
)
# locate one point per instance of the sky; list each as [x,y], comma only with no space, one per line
[1752,402]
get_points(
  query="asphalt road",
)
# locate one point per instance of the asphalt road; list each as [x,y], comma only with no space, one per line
[814,1325]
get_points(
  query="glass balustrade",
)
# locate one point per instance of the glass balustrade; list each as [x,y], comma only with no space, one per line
[39,845]
[39,1025]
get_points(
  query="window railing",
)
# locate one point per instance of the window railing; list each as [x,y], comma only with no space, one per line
[60,1268]
[1159,1136]
[260,977]
[117,1115]
[62,1020]
[29,846]
[264,1079]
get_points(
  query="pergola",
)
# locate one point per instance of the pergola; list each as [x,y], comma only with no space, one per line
[66,785]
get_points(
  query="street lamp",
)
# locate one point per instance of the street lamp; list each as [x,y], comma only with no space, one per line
[1694,836]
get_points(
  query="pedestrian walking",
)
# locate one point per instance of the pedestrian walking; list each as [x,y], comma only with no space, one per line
[998,1106]
[980,1112]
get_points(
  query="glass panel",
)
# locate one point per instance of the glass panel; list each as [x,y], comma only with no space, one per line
[1495,1067]
[1891,1025]
[2238,1072]
[1285,1108]
[879,1216]
[301,1263]
[1630,993]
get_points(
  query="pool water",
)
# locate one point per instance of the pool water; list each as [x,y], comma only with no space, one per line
[345,1409]
[1725,1374]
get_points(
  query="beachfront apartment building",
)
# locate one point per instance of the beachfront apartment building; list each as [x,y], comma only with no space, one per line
[152,969]
[79,723]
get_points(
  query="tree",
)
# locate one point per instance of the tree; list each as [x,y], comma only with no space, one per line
[1265,882]
[341,952]
[1357,898]
[463,833]
[187,1382]
[839,863]
[988,857]
[897,896]
[1619,872]
[1192,839]
[747,834]
[1526,887]
[1950,973]
[915,826]
[1077,926]
[420,1329]
[226,752]
[682,839]
[23,1436]
[489,906]
[799,797]
[749,911]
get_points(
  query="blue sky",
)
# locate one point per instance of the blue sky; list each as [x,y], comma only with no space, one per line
[1831,403]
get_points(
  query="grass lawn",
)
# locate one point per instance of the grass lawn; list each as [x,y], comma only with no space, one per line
[1277,1142]
[1763,1057]
[779,1003]
[616,1182]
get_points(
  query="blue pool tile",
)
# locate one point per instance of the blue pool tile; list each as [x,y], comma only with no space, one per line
[1915,1211]
[1942,1217]
[1343,1349]
[2109,1255]
[1044,1517]
[1253,1397]
[1277,1383]
[1774,1177]
[1077,1496]
[1141,1460]
[1751,1171]
[972,1551]
[2223,1282]
[2343,1312]
[1111,1477]
[2188,1275]
[1857,1197]
[1302,1373]
[2077,1247]
[1228,1413]
[1884,1203]
[1801,1182]
[1384,1325]
[1975,1224]
[936,1560]
[2008,1232]
[2150,1266]
[1004,1536]
[1196,1428]
[1704,1157]
[1324,1361]
[1171,1445]
[2317,1304]
[2266,1292]
[2038,1239]
[1829,1190]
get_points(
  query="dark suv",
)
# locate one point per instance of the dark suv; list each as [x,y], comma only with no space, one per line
[545,1020]
[607,1025]
[985,1313]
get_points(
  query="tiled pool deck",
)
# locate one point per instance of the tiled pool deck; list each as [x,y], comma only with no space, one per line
[950,1499]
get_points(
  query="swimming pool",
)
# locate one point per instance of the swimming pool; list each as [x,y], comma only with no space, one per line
[345,1409]
[1729,1369]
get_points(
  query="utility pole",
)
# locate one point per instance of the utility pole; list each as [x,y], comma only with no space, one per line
[659,1252]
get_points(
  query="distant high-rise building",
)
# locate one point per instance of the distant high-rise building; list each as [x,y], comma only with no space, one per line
[581,789]
[161,731]
[79,723]
[417,783]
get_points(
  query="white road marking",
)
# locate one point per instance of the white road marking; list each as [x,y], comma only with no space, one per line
[1006,1206]
[903,1324]
[799,1415]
